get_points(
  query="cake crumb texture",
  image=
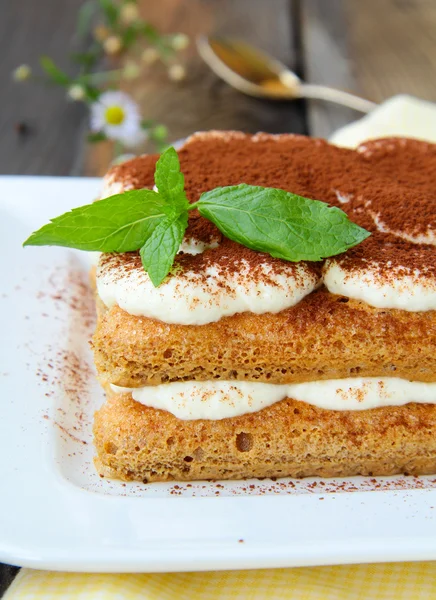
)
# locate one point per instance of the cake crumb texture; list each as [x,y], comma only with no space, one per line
[323,337]
[290,438]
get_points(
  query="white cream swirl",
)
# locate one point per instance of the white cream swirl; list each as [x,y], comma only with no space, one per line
[393,287]
[214,400]
[192,298]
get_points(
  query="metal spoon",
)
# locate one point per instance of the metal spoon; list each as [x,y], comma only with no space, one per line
[255,73]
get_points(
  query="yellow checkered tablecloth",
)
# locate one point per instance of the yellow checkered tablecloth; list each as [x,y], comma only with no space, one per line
[393,581]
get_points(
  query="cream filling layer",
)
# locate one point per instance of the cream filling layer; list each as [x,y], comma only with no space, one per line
[406,290]
[215,400]
[191,298]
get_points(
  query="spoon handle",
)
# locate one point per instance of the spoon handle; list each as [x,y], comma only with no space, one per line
[321,92]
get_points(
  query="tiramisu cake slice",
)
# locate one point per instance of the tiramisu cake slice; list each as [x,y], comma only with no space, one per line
[243,365]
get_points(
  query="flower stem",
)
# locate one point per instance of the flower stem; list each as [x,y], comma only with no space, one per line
[118,148]
[100,77]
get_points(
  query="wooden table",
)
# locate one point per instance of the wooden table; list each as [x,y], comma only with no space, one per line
[377,48]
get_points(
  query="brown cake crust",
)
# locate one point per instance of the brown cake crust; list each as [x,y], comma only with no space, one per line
[323,337]
[290,438]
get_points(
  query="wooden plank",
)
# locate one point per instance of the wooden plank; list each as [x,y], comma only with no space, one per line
[393,47]
[27,30]
[373,48]
[326,61]
[203,101]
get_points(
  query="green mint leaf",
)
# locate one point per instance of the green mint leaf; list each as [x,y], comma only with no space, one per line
[159,251]
[54,73]
[169,181]
[120,223]
[282,224]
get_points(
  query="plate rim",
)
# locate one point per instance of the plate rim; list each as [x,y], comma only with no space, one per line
[209,529]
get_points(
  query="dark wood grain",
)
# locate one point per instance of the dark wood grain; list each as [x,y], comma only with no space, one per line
[392,45]
[29,28]
[203,101]
[326,61]
[376,49]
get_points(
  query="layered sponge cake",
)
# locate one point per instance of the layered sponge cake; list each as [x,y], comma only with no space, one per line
[244,365]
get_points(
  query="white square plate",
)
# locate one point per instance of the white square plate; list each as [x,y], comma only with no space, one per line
[57,513]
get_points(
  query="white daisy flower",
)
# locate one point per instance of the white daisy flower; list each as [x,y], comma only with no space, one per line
[117,116]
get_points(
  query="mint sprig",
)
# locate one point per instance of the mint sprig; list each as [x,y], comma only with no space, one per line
[269,220]
[282,224]
[158,252]
[120,223]
[169,180]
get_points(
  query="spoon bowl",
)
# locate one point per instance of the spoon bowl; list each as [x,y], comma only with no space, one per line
[255,73]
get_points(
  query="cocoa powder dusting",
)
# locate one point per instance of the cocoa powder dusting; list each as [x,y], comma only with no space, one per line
[62,370]
[387,184]
[136,173]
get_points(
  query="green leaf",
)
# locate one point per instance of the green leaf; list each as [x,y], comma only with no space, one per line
[149,32]
[159,251]
[99,136]
[159,133]
[169,180]
[120,223]
[110,11]
[282,224]
[84,17]
[92,93]
[85,59]
[55,74]
[129,36]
